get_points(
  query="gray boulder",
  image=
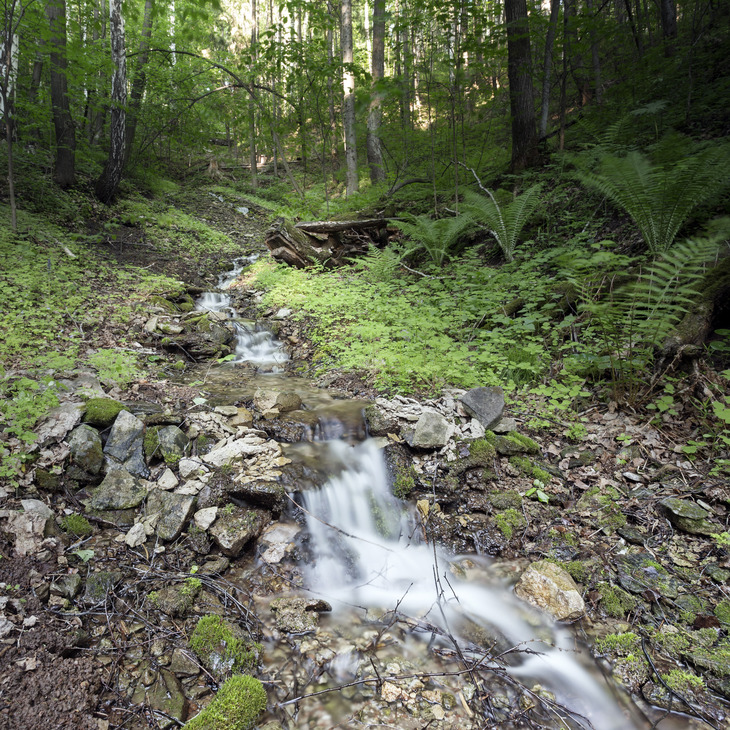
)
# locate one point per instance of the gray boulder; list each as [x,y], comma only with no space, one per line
[119,490]
[234,529]
[174,510]
[85,449]
[484,404]
[173,444]
[432,431]
[125,444]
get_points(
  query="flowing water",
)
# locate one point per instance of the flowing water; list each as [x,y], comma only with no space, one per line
[368,559]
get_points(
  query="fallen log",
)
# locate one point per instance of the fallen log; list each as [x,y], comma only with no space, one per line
[328,243]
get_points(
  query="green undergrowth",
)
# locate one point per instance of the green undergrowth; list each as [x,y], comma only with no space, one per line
[58,291]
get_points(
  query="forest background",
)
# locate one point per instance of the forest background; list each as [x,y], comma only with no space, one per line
[557,171]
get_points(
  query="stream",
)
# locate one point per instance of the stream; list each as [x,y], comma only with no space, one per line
[410,625]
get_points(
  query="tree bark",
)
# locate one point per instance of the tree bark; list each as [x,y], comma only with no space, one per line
[251,106]
[140,80]
[521,97]
[575,57]
[64,168]
[348,86]
[375,113]
[111,176]
[668,11]
[548,65]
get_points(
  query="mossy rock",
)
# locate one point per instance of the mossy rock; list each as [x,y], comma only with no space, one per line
[508,521]
[615,601]
[102,411]
[223,648]
[237,706]
[513,443]
[510,499]
[157,301]
[151,442]
[530,469]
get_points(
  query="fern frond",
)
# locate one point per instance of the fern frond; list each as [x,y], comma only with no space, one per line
[660,199]
[505,222]
[438,236]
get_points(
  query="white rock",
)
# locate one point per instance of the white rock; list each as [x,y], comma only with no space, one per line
[477,429]
[233,451]
[226,410]
[191,467]
[136,536]
[204,518]
[36,507]
[193,486]
[278,539]
[168,480]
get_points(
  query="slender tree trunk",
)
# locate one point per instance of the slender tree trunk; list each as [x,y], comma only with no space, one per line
[668,11]
[375,113]
[521,97]
[548,65]
[251,106]
[111,176]
[140,79]
[331,84]
[595,56]
[635,31]
[348,87]
[64,169]
[575,57]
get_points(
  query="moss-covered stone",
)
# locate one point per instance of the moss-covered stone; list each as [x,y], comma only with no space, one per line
[615,601]
[619,645]
[722,612]
[157,301]
[237,706]
[405,482]
[76,525]
[223,648]
[513,443]
[508,521]
[510,499]
[102,411]
[529,469]
[151,442]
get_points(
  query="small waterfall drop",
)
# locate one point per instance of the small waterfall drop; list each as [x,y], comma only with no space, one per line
[254,344]
[368,554]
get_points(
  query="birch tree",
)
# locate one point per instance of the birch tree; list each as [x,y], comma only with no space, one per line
[348,86]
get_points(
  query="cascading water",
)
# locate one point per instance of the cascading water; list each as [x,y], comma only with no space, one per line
[254,344]
[367,554]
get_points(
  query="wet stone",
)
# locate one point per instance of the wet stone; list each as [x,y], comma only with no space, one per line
[631,535]
[173,444]
[432,431]
[98,585]
[297,615]
[550,588]
[233,530]
[183,664]
[175,600]
[67,586]
[639,572]
[266,493]
[215,566]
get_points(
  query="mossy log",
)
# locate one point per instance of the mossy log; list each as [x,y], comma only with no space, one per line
[329,243]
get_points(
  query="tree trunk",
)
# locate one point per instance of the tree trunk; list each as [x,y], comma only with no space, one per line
[668,10]
[140,79]
[575,57]
[595,56]
[519,70]
[331,85]
[348,86]
[251,106]
[375,113]
[108,182]
[547,65]
[64,169]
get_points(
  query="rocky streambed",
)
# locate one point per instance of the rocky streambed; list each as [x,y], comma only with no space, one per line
[242,520]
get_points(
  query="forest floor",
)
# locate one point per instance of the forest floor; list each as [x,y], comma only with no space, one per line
[619,505]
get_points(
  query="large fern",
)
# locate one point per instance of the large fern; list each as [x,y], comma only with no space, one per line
[635,319]
[660,198]
[505,222]
[437,237]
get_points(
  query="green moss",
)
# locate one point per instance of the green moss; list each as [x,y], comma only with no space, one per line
[102,411]
[165,304]
[191,586]
[526,467]
[619,645]
[511,499]
[616,602]
[722,612]
[237,706]
[76,525]
[482,451]
[672,643]
[216,644]
[151,441]
[682,681]
[508,521]
[404,483]
[577,570]
[524,442]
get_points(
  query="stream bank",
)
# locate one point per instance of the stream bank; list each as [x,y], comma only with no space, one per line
[474,500]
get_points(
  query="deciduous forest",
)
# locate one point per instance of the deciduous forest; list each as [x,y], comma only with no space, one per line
[327,327]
